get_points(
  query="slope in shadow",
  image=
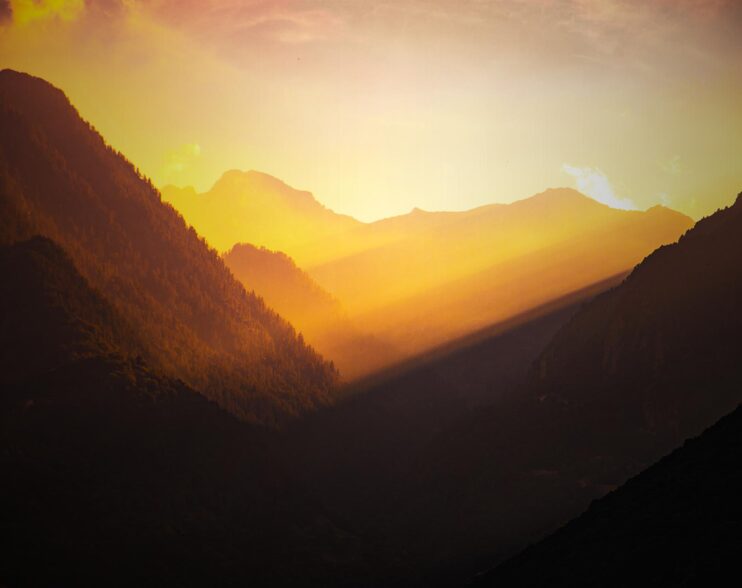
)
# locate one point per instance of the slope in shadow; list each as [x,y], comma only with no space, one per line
[116,475]
[678,523]
[360,458]
[634,373]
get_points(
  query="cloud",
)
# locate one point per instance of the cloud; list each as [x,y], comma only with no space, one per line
[593,182]
[239,22]
[179,159]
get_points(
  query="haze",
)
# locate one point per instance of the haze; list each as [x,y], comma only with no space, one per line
[381,107]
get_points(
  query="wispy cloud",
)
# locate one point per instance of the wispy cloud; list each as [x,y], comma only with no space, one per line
[593,182]
[244,21]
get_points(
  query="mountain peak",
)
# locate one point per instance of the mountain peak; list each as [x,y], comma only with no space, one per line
[563,195]
[259,182]
[660,210]
[253,177]
[8,75]
[32,95]
[197,324]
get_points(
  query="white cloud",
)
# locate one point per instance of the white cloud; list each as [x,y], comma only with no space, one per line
[593,182]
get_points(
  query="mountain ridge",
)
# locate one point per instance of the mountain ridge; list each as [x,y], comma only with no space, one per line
[61,180]
[316,314]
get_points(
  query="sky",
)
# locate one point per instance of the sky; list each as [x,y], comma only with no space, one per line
[380,107]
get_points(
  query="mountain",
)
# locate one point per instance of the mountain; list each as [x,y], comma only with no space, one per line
[420,280]
[459,272]
[116,475]
[360,459]
[285,287]
[193,320]
[659,355]
[462,461]
[677,523]
[634,373]
[316,314]
[252,207]
[50,314]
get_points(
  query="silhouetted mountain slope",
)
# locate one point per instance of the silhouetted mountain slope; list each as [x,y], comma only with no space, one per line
[678,523]
[315,313]
[193,320]
[658,356]
[115,475]
[49,314]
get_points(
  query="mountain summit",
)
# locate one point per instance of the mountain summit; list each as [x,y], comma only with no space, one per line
[253,207]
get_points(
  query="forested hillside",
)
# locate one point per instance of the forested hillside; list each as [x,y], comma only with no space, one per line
[193,320]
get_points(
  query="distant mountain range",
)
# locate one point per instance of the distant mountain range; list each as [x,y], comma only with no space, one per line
[193,320]
[419,280]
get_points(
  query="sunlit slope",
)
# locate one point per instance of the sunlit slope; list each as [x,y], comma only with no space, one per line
[316,314]
[421,279]
[253,207]
[467,270]
[193,320]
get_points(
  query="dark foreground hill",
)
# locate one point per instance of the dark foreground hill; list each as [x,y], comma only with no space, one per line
[193,320]
[114,475]
[361,459]
[678,523]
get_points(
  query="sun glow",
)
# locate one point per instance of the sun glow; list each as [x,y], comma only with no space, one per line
[442,105]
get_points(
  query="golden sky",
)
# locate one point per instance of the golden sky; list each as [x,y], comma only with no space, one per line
[379,107]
